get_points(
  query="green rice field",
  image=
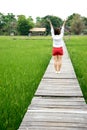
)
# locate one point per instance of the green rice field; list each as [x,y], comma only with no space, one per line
[77,48]
[23,61]
[22,65]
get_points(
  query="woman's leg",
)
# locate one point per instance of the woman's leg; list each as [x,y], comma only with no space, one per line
[55,62]
[59,62]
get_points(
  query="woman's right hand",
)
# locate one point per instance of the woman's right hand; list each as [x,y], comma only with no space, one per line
[48,20]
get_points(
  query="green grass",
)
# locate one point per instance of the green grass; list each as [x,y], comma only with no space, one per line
[23,61]
[77,47]
[22,64]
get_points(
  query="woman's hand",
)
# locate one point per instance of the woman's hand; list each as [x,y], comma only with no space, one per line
[64,22]
[48,20]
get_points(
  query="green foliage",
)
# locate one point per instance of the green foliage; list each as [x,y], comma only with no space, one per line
[31,23]
[85,24]
[8,24]
[75,24]
[69,19]
[85,21]
[38,22]
[22,65]
[24,24]
[84,31]
[77,47]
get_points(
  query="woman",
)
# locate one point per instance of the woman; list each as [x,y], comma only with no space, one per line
[57,51]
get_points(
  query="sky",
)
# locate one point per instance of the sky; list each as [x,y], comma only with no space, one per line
[41,8]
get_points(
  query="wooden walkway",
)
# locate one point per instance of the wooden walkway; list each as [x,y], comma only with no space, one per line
[58,103]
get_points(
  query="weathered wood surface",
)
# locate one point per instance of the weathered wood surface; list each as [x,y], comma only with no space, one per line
[58,103]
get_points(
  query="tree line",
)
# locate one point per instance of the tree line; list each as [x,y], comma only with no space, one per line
[20,25]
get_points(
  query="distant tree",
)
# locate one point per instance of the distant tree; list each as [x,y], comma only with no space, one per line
[85,23]
[1,23]
[7,23]
[75,23]
[38,21]
[69,19]
[31,22]
[68,23]
[24,24]
[12,23]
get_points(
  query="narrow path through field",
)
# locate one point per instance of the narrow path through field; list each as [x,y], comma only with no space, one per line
[58,103]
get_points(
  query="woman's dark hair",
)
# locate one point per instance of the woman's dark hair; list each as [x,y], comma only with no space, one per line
[57,31]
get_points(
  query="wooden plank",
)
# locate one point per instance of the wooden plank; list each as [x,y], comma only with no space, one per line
[55,86]
[57,103]
[57,100]
[62,76]
[60,81]
[55,124]
[56,116]
[52,128]
[58,93]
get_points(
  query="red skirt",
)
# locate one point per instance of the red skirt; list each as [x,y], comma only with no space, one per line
[57,51]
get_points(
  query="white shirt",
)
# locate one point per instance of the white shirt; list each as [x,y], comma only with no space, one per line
[57,39]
